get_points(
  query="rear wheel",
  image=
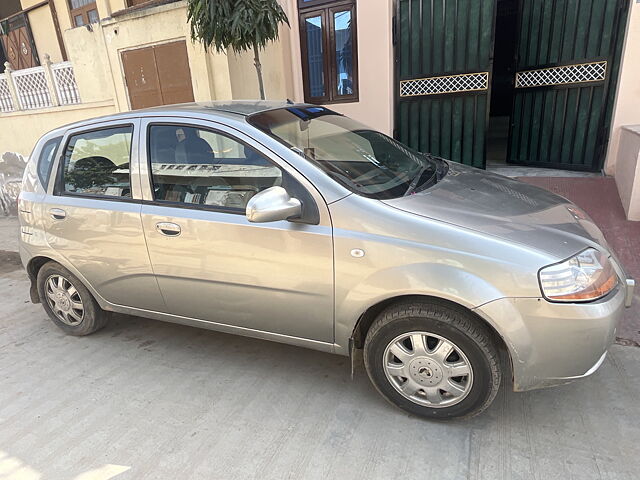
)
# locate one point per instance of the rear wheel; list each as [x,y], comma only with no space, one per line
[433,360]
[68,302]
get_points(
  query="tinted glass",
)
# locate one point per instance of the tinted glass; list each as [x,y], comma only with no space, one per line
[97,163]
[46,159]
[78,20]
[315,59]
[344,52]
[363,160]
[201,167]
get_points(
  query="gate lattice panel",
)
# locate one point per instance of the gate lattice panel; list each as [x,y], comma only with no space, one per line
[563,75]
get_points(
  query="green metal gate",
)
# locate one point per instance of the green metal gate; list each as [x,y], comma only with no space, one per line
[443,59]
[567,63]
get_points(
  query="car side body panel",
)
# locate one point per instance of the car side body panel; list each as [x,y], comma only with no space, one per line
[451,263]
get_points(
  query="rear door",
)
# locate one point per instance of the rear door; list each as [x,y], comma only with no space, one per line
[92,213]
[211,263]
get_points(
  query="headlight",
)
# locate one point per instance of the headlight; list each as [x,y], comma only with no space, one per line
[588,275]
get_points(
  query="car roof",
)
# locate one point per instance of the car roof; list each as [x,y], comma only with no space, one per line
[230,108]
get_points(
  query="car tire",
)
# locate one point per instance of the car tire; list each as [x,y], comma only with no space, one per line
[68,302]
[447,364]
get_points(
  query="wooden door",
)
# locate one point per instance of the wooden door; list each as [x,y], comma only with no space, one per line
[443,59]
[18,44]
[158,75]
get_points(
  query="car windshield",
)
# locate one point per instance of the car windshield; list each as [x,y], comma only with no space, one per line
[365,161]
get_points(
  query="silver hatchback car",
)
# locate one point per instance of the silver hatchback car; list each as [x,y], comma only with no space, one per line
[293,223]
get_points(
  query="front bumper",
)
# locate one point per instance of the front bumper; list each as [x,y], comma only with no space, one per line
[555,343]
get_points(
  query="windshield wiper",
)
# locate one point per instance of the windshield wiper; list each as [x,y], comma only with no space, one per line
[416,181]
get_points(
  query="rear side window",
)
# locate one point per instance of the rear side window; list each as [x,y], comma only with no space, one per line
[46,160]
[97,163]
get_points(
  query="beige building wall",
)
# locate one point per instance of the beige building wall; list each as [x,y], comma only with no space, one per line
[277,71]
[44,32]
[64,17]
[627,108]
[97,54]
[622,157]
[19,131]
[628,170]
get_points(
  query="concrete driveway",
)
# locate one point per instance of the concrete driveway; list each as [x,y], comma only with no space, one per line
[143,399]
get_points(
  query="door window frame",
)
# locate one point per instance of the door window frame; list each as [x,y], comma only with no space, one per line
[134,175]
[196,206]
[45,178]
[147,190]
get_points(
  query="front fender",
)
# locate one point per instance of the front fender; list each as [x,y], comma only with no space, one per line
[449,282]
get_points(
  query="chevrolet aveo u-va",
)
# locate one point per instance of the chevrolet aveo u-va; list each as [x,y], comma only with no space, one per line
[296,224]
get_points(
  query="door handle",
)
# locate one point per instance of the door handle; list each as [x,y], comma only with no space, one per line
[58,213]
[169,229]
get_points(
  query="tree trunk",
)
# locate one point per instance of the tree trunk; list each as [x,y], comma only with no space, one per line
[256,62]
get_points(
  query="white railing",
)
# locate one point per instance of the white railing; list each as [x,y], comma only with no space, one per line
[50,85]
[66,85]
[6,103]
[32,88]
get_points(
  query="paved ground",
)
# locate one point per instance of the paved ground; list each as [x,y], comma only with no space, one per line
[148,400]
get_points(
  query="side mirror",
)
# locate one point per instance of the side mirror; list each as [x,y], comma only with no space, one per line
[271,205]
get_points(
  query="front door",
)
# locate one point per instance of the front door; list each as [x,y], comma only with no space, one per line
[443,59]
[566,66]
[18,44]
[92,215]
[211,263]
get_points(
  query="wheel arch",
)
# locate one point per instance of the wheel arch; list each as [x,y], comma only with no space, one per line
[370,314]
[37,262]
[33,267]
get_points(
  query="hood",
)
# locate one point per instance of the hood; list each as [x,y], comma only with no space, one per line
[505,208]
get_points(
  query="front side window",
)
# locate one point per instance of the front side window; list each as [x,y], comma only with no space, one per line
[363,160]
[97,163]
[195,166]
[46,159]
[329,52]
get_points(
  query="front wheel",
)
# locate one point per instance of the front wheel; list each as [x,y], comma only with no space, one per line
[432,360]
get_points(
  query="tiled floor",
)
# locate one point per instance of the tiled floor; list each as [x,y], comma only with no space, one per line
[599,198]
[517,171]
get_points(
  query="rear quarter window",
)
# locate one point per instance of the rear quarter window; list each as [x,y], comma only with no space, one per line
[45,160]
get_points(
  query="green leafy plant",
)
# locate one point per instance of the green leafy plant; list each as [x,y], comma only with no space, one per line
[242,25]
